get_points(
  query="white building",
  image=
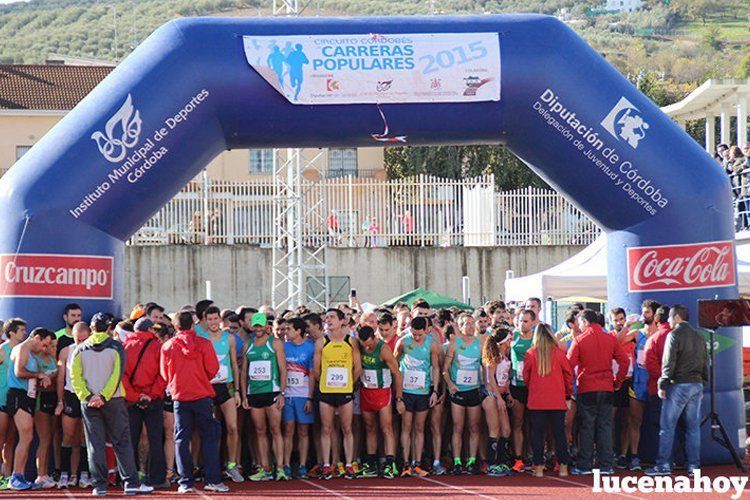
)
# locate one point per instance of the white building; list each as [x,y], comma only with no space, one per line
[623,5]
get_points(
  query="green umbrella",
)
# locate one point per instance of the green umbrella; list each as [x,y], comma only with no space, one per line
[435,300]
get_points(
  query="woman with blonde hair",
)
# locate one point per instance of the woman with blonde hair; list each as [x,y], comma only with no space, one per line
[549,380]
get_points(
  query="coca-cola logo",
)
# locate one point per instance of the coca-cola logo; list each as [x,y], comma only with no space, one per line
[681,267]
[55,276]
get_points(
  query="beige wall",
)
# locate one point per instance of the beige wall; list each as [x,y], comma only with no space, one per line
[20,130]
[235,165]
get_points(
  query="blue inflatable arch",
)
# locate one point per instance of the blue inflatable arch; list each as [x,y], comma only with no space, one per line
[188,93]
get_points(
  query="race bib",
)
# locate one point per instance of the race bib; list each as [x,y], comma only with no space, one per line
[370,379]
[641,357]
[519,371]
[467,377]
[260,370]
[415,380]
[295,379]
[337,377]
[222,375]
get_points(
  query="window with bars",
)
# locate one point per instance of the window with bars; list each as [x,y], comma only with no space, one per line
[21,150]
[342,162]
[261,161]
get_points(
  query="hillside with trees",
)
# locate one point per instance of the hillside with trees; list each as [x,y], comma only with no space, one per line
[665,49]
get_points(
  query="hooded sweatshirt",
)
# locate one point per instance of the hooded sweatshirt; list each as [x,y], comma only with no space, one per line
[188,363]
[147,378]
[592,352]
[654,352]
[97,368]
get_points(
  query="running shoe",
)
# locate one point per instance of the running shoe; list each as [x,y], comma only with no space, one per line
[314,471]
[85,482]
[19,483]
[580,471]
[493,471]
[389,471]
[356,468]
[73,481]
[504,470]
[340,469]
[281,474]
[63,481]
[406,471]
[635,464]
[217,487]
[518,465]
[368,470]
[349,472]
[419,471]
[261,475]
[607,470]
[622,462]
[185,489]
[326,472]
[235,475]
[302,472]
[99,492]
[4,483]
[45,482]
[439,470]
[171,476]
[658,470]
[197,474]
[138,489]
[472,468]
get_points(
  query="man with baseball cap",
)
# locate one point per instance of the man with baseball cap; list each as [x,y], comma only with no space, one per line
[96,375]
[144,392]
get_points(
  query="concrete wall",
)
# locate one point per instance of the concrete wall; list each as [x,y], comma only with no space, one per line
[176,275]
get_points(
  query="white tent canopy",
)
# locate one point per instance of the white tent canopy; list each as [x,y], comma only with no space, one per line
[585,275]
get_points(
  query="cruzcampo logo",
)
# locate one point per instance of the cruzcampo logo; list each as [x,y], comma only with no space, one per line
[721,342]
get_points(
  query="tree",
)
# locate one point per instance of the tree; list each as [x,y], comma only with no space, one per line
[711,38]
[457,162]
[744,71]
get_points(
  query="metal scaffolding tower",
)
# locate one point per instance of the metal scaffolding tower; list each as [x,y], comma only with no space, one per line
[300,273]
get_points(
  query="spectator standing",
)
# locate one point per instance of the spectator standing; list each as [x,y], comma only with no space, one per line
[549,380]
[684,370]
[592,354]
[96,374]
[188,363]
[144,392]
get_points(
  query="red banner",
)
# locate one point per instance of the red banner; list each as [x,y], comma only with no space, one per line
[55,276]
[681,267]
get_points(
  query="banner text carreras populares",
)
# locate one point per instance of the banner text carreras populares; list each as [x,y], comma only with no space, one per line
[359,69]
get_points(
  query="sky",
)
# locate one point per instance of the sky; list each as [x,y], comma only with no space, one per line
[12,1]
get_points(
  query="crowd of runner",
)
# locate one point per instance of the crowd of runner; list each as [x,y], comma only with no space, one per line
[207,394]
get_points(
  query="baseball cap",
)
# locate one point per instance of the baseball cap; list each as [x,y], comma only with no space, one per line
[143,325]
[258,319]
[101,321]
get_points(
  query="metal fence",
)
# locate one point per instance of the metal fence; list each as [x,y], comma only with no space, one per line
[416,211]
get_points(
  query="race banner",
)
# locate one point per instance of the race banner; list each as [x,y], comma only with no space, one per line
[56,276]
[373,68]
[681,267]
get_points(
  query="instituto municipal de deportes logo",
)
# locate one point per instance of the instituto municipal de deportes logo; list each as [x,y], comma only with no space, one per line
[121,133]
[625,122]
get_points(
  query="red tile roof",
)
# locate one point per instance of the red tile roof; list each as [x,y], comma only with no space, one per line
[47,87]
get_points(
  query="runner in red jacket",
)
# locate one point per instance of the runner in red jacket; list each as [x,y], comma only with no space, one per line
[144,387]
[188,363]
[592,353]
